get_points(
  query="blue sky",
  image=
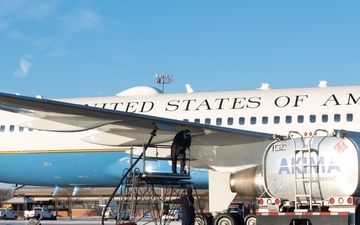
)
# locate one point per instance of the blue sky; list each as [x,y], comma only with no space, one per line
[68,48]
[79,48]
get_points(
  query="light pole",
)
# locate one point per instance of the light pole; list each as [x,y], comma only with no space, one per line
[163,79]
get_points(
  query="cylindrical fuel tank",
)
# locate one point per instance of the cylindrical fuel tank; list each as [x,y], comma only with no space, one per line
[331,169]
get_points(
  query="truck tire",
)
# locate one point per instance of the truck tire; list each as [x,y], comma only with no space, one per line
[250,219]
[225,219]
[203,219]
[239,220]
[209,218]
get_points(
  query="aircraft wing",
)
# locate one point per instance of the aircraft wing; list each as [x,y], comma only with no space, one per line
[110,125]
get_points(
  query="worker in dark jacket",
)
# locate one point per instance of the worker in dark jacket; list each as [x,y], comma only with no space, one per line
[181,142]
[187,207]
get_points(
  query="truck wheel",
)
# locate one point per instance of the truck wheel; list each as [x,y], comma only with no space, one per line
[203,219]
[250,219]
[239,220]
[225,219]
[4,218]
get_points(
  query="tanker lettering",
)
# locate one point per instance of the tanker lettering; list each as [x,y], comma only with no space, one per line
[319,167]
[324,179]
[319,179]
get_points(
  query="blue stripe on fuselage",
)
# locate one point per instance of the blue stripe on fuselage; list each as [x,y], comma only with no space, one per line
[79,168]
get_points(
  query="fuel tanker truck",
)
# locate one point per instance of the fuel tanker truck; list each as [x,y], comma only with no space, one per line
[311,179]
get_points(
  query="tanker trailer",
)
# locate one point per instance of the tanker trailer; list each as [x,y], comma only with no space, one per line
[305,180]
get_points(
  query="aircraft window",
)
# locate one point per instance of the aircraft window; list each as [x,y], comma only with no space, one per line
[337,117]
[241,120]
[253,120]
[265,120]
[30,129]
[276,119]
[218,121]
[2,128]
[12,128]
[186,120]
[197,120]
[312,118]
[349,117]
[300,119]
[207,121]
[230,121]
[21,129]
[288,119]
[324,118]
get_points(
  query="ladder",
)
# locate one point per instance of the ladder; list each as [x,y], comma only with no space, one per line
[143,193]
[303,166]
[145,199]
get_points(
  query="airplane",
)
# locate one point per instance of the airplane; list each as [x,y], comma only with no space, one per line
[80,142]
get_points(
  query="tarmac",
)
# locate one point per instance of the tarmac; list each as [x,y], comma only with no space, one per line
[77,221]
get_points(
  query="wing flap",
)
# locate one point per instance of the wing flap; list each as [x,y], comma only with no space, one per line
[65,123]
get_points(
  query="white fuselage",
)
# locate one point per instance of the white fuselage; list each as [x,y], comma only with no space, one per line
[273,111]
